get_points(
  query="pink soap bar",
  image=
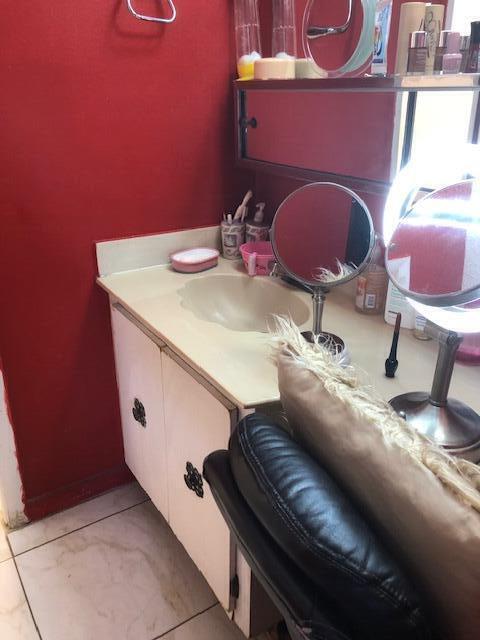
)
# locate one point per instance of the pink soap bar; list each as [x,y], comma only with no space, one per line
[194,260]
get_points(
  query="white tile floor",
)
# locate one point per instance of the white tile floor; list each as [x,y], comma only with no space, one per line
[109,569]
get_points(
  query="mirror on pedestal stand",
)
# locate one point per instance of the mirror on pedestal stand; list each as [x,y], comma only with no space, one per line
[433,258]
[322,236]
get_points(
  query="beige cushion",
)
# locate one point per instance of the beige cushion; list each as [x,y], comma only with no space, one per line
[436,534]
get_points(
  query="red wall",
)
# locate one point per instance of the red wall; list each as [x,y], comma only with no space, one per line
[109,127]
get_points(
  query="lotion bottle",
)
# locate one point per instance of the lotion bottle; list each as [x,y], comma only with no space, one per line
[372,284]
[397,303]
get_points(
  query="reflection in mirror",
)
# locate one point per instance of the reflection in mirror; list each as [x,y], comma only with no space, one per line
[443,225]
[337,36]
[322,236]
[433,257]
[431,167]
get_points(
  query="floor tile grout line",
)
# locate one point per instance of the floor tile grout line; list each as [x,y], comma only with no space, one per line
[90,499]
[26,599]
[38,546]
[180,624]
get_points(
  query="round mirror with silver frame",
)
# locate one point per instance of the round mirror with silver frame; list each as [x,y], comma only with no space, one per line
[433,258]
[322,237]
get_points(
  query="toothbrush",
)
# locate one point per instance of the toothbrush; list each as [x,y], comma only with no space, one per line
[241,210]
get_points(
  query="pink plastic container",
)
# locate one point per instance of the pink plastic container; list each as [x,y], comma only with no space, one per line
[258,258]
[469,350]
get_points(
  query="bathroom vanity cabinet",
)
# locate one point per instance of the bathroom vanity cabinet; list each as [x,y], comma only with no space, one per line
[184,380]
[171,419]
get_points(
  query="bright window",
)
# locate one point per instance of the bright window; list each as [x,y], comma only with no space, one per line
[448,116]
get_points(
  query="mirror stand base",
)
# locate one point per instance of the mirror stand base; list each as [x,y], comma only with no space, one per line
[332,342]
[453,426]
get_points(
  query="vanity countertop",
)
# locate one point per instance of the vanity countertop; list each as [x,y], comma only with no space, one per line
[238,363]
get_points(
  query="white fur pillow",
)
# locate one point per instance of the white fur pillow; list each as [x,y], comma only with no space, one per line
[426,502]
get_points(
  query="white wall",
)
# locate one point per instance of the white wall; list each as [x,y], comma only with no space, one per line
[11,503]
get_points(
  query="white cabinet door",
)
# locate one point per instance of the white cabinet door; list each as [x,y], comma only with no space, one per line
[198,421]
[139,378]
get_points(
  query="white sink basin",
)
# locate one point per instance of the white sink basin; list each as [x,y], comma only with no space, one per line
[241,303]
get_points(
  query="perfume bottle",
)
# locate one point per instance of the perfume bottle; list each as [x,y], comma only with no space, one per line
[452,59]
[473,60]
[441,49]
[464,48]
[417,53]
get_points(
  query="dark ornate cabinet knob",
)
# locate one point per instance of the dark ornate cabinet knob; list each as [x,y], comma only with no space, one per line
[139,412]
[248,122]
[193,480]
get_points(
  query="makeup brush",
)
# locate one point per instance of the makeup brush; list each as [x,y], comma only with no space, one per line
[391,363]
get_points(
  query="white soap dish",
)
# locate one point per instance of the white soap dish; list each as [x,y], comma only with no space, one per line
[194,260]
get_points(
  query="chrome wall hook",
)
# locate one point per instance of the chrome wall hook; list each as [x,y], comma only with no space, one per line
[152,18]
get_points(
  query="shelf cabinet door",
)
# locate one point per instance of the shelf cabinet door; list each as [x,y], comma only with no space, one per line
[139,378]
[293,133]
[198,421]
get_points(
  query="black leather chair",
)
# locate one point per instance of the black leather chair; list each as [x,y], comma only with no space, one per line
[321,563]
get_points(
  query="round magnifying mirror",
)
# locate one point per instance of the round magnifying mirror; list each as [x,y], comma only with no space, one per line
[322,236]
[433,258]
[338,36]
